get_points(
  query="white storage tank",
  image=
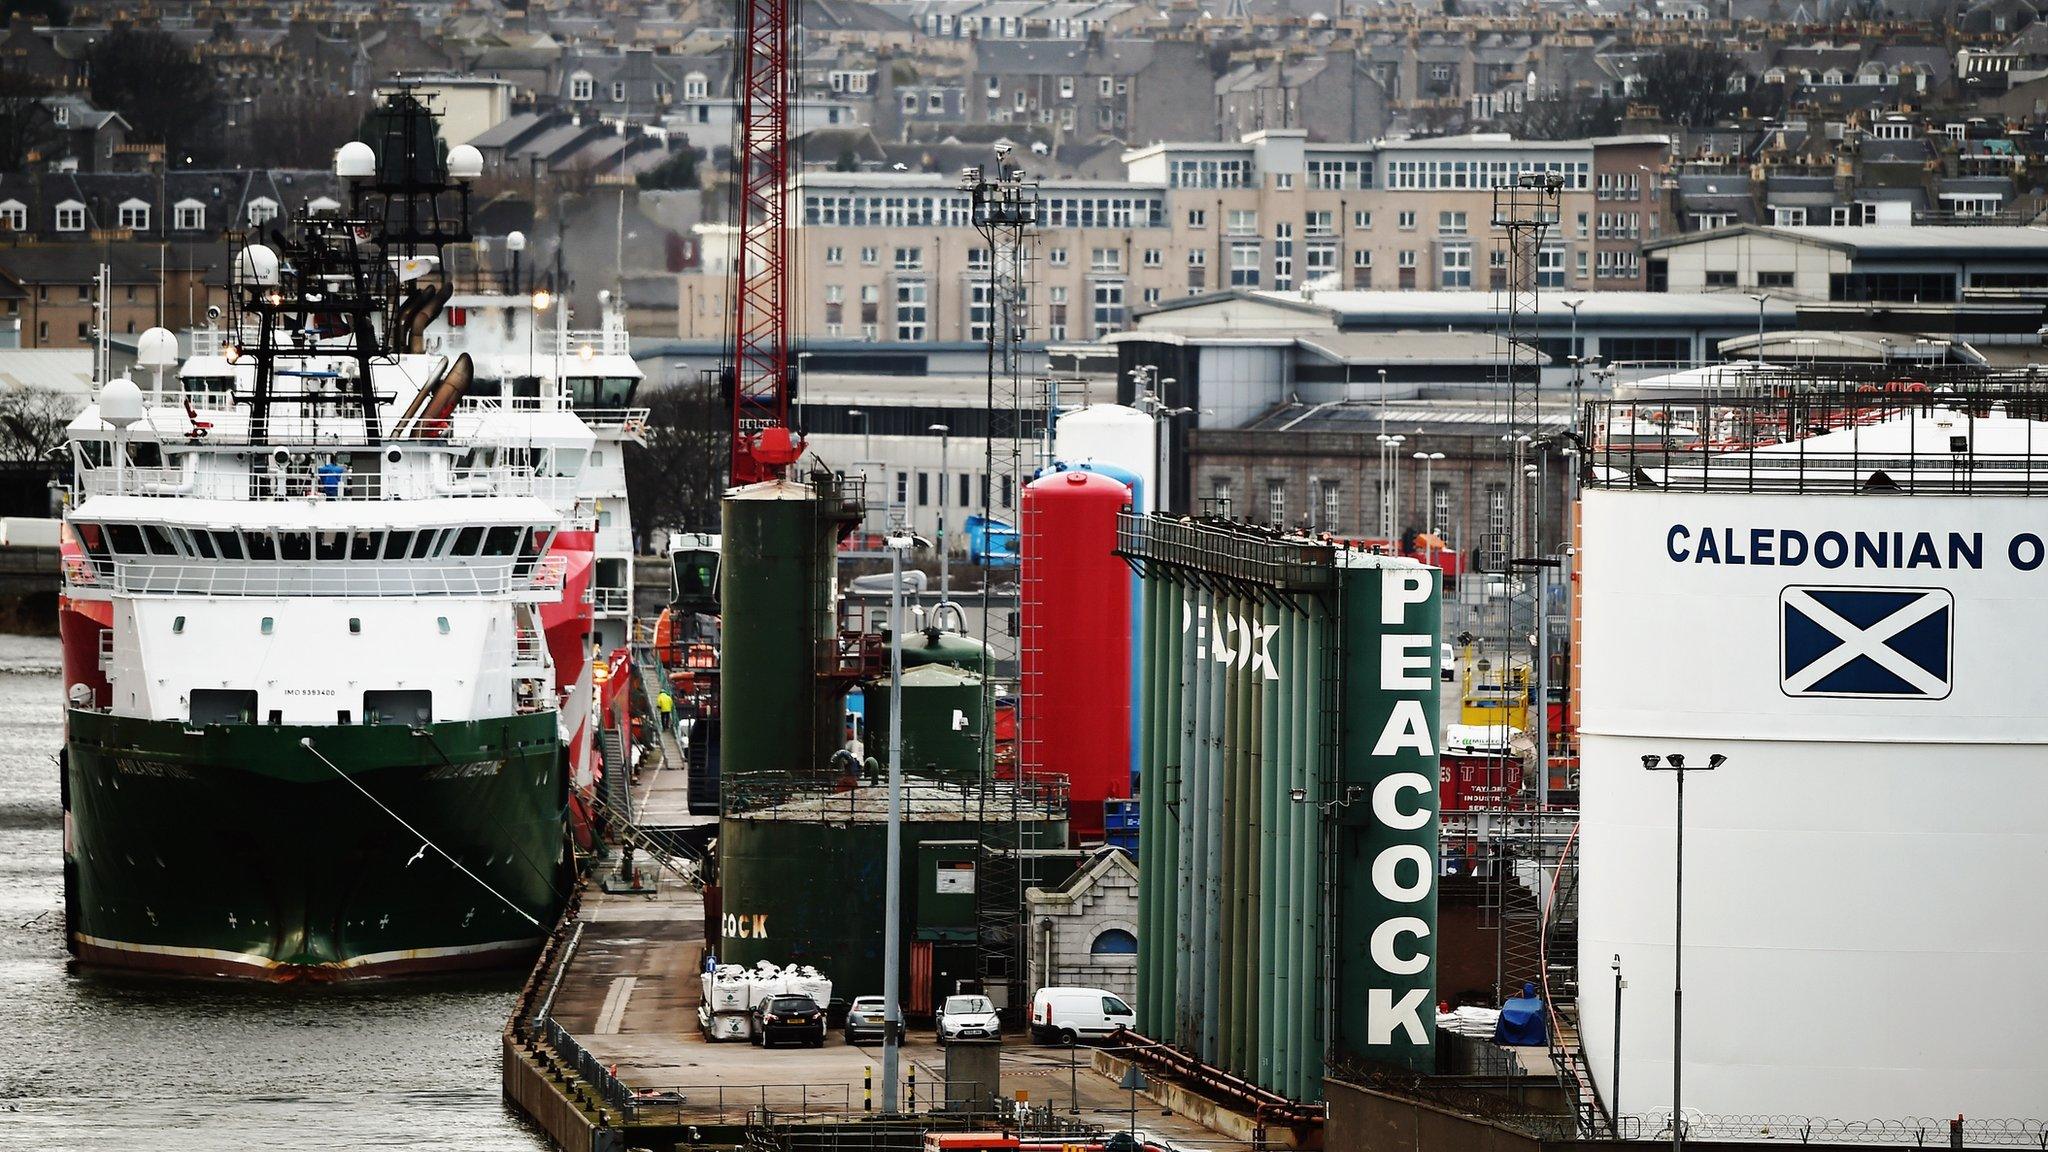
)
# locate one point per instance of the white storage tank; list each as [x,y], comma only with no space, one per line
[1855,620]
[1111,434]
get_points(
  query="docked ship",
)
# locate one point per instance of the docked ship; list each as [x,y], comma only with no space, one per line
[313,722]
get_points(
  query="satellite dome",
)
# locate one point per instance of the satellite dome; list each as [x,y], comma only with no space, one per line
[120,402]
[465,162]
[355,160]
[156,348]
[257,264]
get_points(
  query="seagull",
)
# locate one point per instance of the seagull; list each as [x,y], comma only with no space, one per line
[899,166]
[416,856]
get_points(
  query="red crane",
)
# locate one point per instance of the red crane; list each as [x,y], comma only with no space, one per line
[762,443]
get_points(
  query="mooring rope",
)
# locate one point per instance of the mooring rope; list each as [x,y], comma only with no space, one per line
[306,742]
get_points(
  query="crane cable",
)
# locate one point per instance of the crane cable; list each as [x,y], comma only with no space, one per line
[306,742]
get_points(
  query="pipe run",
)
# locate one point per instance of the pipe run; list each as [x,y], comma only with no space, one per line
[1264,1105]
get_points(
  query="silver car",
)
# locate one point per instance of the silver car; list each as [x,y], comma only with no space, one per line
[864,1020]
[968,1018]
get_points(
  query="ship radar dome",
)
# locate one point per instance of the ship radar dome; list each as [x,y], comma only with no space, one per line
[156,348]
[257,264]
[120,402]
[355,160]
[465,162]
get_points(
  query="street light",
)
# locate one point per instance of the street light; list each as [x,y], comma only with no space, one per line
[1386,511]
[1675,763]
[1429,460]
[945,449]
[1761,299]
[1390,487]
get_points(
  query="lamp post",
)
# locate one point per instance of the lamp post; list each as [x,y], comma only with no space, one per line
[1386,508]
[1675,763]
[1614,1084]
[1429,460]
[892,927]
[515,243]
[1761,298]
[1390,483]
[945,479]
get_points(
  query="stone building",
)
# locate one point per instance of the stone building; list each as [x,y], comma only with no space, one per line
[1085,932]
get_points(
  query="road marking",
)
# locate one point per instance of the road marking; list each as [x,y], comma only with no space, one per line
[613,1013]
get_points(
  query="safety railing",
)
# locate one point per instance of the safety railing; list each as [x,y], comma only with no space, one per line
[741,1103]
[339,578]
[610,601]
[303,484]
[1913,1131]
[529,647]
[1039,796]
[106,648]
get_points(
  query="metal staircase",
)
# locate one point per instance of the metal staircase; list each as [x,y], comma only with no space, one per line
[617,785]
[684,865]
[1566,1051]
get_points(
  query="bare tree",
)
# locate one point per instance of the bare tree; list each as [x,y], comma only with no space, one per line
[24,122]
[1689,83]
[676,481]
[300,131]
[32,422]
[164,92]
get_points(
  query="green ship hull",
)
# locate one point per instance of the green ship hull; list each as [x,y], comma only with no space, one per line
[235,851]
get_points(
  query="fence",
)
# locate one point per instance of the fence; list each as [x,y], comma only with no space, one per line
[1914,1132]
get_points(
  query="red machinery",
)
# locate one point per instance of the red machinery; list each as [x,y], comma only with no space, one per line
[1076,684]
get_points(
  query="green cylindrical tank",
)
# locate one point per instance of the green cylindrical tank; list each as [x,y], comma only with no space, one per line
[934,646]
[942,707]
[776,716]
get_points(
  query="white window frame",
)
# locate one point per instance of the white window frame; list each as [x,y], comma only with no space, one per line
[262,210]
[134,214]
[13,215]
[581,86]
[70,216]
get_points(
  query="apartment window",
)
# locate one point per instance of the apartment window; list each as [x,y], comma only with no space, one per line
[1405,221]
[910,310]
[1276,502]
[1198,218]
[835,255]
[1550,267]
[1243,222]
[1022,100]
[1332,506]
[1283,180]
[1721,278]
[869,257]
[581,86]
[1361,220]
[1456,266]
[1582,222]
[977,259]
[1153,258]
[909,259]
[1066,87]
[935,102]
[135,214]
[1317,224]
[1406,259]
[1788,217]
[1440,510]
[1197,258]
[1774,279]
[1450,223]
[618,91]
[1151,295]
[1220,496]
[71,216]
[1105,87]
[189,215]
[1056,314]
[1109,307]
[1105,260]
[1322,258]
[910,102]
[1581,254]
[1244,264]
[1057,257]
[14,216]
[695,87]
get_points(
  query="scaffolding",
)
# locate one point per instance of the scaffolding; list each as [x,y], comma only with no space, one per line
[1523,212]
[1005,212]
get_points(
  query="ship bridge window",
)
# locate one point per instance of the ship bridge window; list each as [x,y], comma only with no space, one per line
[261,545]
[295,545]
[126,539]
[223,706]
[396,543]
[501,541]
[229,544]
[365,545]
[93,538]
[198,542]
[601,391]
[159,542]
[423,544]
[407,706]
[466,542]
[330,545]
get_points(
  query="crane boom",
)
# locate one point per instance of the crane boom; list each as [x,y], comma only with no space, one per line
[762,445]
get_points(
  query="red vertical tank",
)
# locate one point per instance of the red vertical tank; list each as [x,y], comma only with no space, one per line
[1076,652]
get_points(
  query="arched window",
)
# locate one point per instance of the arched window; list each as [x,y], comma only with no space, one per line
[1114,942]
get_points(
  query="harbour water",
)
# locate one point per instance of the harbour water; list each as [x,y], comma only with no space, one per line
[90,1062]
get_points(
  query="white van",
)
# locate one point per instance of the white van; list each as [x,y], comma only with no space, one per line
[1067,1014]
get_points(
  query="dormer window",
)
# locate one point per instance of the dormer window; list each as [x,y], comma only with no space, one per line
[695,87]
[189,215]
[135,215]
[60,116]
[13,215]
[71,216]
[262,210]
[581,86]
[618,91]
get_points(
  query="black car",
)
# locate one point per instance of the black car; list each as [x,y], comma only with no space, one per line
[789,1018]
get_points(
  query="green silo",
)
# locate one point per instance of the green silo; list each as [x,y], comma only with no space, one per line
[777,717]
[942,708]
